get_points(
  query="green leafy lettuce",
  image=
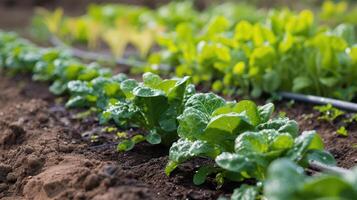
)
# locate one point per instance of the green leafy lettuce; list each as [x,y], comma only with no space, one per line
[152,105]
[241,138]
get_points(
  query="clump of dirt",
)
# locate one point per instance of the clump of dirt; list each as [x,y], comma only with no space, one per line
[45,153]
[11,134]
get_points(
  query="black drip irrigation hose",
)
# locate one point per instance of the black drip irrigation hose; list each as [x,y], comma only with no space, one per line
[344,105]
[315,165]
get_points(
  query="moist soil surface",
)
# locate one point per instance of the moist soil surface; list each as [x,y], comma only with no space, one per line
[47,152]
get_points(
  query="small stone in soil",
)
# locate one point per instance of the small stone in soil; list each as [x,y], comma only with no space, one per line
[28,149]
[91,182]
[33,163]
[88,164]
[11,177]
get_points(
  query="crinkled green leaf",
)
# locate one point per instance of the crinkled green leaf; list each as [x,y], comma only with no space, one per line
[152,103]
[245,192]
[192,123]
[246,107]
[151,80]
[206,103]
[308,140]
[122,113]
[265,112]
[282,141]
[184,149]
[202,173]
[79,88]
[282,125]
[234,162]
[223,129]
[168,121]
[58,87]
[153,138]
[250,164]
[251,142]
[128,86]
[177,92]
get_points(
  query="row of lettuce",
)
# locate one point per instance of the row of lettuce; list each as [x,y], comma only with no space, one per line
[118,25]
[229,48]
[105,23]
[286,52]
[241,141]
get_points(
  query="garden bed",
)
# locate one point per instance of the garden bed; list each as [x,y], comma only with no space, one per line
[43,154]
[107,136]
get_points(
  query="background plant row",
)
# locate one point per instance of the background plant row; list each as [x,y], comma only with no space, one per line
[227,47]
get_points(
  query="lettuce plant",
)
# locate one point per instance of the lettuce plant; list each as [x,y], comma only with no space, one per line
[97,92]
[52,65]
[152,105]
[286,52]
[241,138]
[68,70]
[17,55]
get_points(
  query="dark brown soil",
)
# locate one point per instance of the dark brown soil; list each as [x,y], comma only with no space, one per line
[45,155]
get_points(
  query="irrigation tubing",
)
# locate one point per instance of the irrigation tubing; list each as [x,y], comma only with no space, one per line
[344,105]
[315,165]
